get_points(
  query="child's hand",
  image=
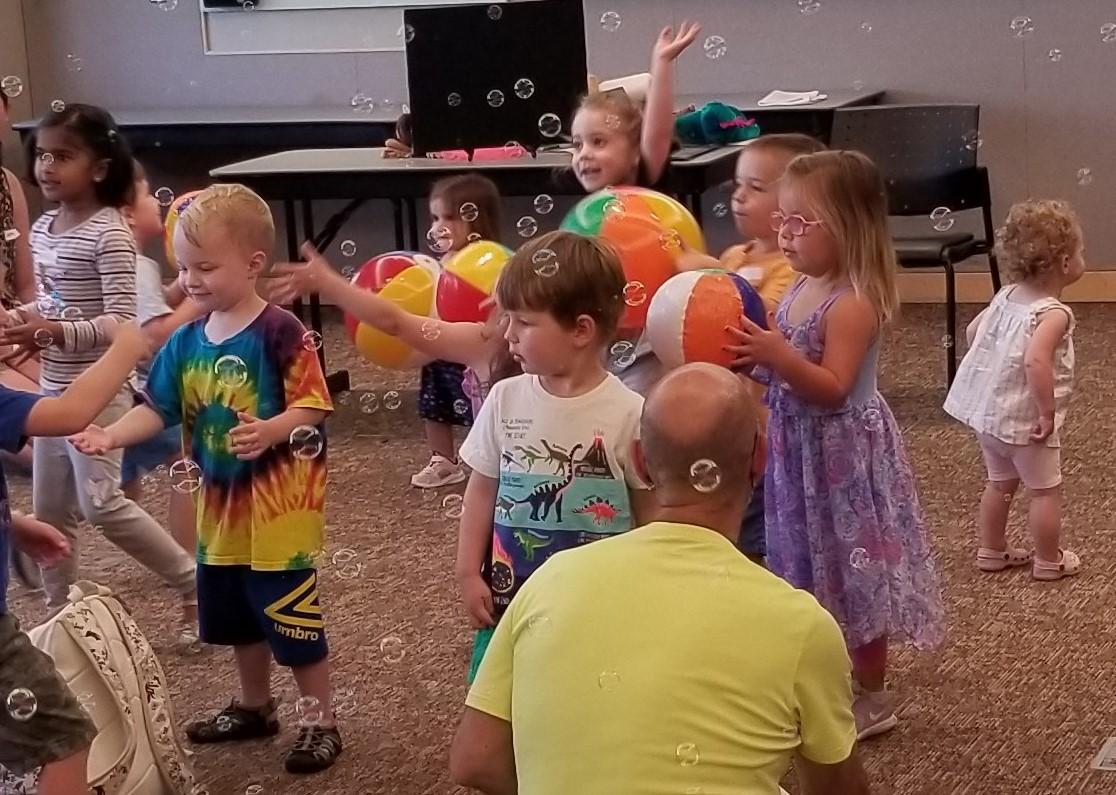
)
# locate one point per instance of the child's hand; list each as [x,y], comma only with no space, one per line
[94,440]
[249,440]
[34,333]
[670,45]
[477,597]
[757,345]
[1043,428]
[396,149]
[291,280]
[44,543]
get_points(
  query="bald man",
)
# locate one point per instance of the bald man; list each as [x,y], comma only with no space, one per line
[663,660]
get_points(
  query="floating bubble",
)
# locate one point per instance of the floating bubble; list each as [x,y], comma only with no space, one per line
[348,248]
[946,341]
[807,7]
[1022,26]
[369,403]
[495,98]
[715,47]
[1108,32]
[942,219]
[613,207]
[440,240]
[430,330]
[608,680]
[22,704]
[671,241]
[687,754]
[86,702]
[1084,177]
[71,313]
[165,196]
[720,210]
[468,212]
[408,33]
[544,203]
[973,140]
[705,476]
[347,564]
[454,99]
[550,125]
[224,724]
[348,272]
[527,226]
[453,505]
[312,341]
[247,5]
[73,63]
[309,711]
[545,262]
[1055,55]
[495,12]
[473,237]
[362,103]
[859,558]
[165,5]
[231,371]
[392,649]
[100,490]
[460,407]
[254,789]
[392,400]
[873,420]
[46,158]
[610,21]
[865,27]
[12,86]
[306,442]
[622,353]
[185,476]
[57,105]
[538,624]
[635,294]
[612,121]
[524,88]
[43,338]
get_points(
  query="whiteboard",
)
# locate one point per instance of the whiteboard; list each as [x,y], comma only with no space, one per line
[280,27]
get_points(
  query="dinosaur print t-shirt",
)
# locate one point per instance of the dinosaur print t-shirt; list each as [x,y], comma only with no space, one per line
[564,470]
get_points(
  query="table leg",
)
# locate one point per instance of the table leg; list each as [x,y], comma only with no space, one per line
[292,245]
[397,220]
[412,220]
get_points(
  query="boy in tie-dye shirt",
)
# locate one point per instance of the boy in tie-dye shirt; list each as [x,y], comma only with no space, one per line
[246,385]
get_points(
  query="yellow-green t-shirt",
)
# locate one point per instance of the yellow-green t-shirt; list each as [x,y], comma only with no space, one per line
[664,661]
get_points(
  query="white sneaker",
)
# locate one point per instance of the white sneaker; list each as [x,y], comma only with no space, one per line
[439,472]
[874,713]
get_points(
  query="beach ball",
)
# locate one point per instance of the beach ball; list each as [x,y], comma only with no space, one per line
[174,212]
[648,230]
[468,280]
[688,315]
[410,282]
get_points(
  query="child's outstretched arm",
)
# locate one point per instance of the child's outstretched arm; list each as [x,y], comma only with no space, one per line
[1038,363]
[464,343]
[139,424]
[851,324]
[658,118]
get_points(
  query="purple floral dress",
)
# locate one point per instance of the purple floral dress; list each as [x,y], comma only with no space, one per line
[842,511]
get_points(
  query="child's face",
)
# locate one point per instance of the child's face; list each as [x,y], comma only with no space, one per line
[448,232]
[603,154]
[756,193]
[144,215]
[217,273]
[1075,267]
[813,252]
[541,345]
[65,168]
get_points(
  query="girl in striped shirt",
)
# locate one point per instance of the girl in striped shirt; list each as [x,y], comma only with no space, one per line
[85,271]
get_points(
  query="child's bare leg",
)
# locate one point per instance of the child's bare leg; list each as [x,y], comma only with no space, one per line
[253,664]
[66,776]
[870,664]
[181,520]
[313,680]
[1045,520]
[439,436]
[995,505]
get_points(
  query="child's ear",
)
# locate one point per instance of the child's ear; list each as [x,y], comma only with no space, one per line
[257,263]
[585,330]
[100,171]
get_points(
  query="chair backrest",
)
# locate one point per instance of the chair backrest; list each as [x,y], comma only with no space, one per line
[926,153]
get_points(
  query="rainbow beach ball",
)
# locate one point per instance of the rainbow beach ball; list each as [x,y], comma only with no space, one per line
[174,212]
[688,315]
[410,282]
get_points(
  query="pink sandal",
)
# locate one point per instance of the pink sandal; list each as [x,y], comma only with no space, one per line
[1000,559]
[1067,565]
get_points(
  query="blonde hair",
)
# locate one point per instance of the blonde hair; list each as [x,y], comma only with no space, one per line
[629,118]
[1038,236]
[241,212]
[849,197]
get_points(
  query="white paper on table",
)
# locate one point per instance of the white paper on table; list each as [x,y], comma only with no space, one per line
[784,98]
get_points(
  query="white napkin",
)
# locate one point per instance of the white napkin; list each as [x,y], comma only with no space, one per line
[783,98]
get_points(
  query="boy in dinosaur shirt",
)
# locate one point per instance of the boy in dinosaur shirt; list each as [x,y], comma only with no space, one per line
[550,449]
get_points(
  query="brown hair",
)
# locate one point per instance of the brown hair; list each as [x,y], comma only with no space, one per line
[472,189]
[791,144]
[566,275]
[849,196]
[1038,235]
[245,217]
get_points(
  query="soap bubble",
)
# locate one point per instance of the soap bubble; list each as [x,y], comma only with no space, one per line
[57,105]
[391,400]
[622,353]
[165,196]
[1084,177]
[942,219]
[973,140]
[73,63]
[460,407]
[392,649]
[43,338]
[524,88]
[472,237]
[807,7]
[859,558]
[608,680]
[1108,32]
[454,99]
[309,711]
[408,33]
[453,505]
[224,724]
[12,86]
[873,420]
[715,47]
[86,702]
[165,5]
[46,158]
[347,564]
[348,248]
[544,203]
[495,98]
[1022,26]
[468,212]
[254,789]
[369,403]
[495,12]
[312,341]
[362,102]
[671,241]
[527,226]
[22,704]
[865,27]
[440,240]
[100,490]
[705,476]
[550,125]
[545,262]
[1055,55]
[185,476]
[720,210]
[946,341]
[687,754]
[247,5]
[306,442]
[610,21]
[430,330]
[231,371]
[635,294]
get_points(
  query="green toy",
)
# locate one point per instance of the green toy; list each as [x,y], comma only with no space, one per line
[715,123]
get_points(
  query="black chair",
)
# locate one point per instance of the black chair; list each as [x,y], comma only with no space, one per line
[928,156]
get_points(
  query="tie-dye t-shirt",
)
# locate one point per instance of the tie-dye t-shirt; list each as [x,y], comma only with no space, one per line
[269,512]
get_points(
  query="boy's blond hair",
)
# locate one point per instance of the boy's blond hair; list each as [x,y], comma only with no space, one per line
[241,212]
[566,275]
[1038,236]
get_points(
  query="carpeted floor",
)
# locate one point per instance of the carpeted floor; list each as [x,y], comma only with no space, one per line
[1014,703]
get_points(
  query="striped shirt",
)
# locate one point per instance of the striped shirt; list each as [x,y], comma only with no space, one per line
[87,275]
[990,393]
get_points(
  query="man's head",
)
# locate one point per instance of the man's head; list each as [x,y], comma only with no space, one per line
[222,242]
[700,446]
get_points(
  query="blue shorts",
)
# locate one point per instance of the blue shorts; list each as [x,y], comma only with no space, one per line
[139,459]
[441,396]
[238,607]
[753,530]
